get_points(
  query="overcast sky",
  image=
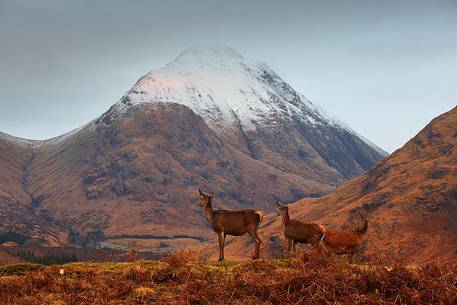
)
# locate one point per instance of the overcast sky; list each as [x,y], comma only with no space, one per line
[384,67]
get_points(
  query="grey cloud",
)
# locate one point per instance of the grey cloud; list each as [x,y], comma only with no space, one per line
[384,67]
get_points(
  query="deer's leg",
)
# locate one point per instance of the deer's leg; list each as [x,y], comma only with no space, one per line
[257,241]
[293,246]
[221,245]
[351,254]
[350,257]
[289,245]
[317,244]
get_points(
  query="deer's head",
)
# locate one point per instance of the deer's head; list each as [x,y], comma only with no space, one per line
[204,199]
[282,209]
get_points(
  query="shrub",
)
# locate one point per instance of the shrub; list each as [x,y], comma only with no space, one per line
[182,278]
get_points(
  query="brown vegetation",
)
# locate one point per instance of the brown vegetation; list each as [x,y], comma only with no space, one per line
[60,255]
[182,278]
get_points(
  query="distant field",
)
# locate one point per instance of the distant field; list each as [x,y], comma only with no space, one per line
[61,255]
[157,245]
[182,278]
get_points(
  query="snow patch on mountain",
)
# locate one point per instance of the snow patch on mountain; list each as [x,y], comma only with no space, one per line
[226,89]
[223,87]
[25,143]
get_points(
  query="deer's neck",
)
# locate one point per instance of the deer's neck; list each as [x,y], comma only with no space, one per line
[285,219]
[208,212]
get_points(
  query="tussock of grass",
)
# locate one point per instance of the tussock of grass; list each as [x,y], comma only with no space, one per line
[18,269]
[182,278]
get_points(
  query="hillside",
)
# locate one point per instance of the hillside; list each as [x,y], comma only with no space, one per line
[19,222]
[140,180]
[211,119]
[410,199]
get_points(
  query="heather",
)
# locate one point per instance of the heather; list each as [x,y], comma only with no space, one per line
[185,278]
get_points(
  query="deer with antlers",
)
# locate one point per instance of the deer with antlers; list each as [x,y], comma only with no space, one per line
[299,232]
[346,242]
[236,223]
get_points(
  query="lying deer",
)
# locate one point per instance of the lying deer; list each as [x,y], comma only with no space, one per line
[346,242]
[299,232]
[234,223]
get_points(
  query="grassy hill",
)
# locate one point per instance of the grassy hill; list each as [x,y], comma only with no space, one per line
[410,199]
[183,278]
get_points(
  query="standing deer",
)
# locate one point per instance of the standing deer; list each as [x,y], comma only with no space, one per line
[346,242]
[234,223]
[299,232]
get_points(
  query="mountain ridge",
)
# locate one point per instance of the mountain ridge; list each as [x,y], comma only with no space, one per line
[236,88]
[410,199]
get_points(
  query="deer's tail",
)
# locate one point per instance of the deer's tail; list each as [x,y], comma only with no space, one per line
[260,213]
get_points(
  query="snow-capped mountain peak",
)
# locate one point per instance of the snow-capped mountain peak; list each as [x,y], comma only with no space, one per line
[227,90]
[206,55]
[221,85]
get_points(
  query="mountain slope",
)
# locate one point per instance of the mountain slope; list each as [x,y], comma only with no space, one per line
[209,120]
[257,112]
[410,199]
[18,219]
[138,173]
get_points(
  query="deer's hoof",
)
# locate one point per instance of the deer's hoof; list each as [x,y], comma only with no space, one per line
[220,259]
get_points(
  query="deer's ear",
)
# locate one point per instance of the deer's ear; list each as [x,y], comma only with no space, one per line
[200,192]
[278,204]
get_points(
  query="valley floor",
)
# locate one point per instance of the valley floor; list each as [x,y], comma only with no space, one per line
[182,278]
